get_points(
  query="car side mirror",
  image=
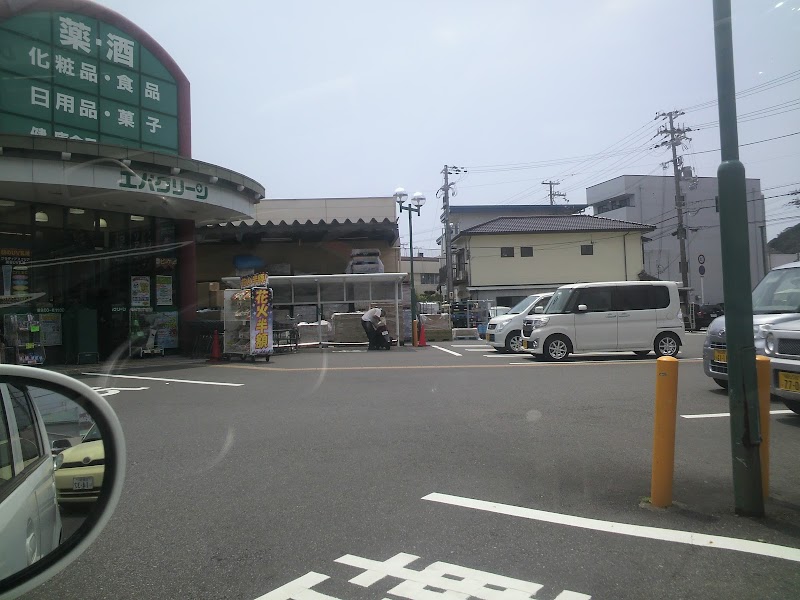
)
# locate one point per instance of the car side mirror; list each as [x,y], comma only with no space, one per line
[582,308]
[37,406]
[538,310]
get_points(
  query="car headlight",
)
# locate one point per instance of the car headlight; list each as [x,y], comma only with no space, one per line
[501,326]
[540,322]
[769,343]
[58,461]
[761,331]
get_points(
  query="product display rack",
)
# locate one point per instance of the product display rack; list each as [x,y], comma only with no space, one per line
[236,317]
[24,335]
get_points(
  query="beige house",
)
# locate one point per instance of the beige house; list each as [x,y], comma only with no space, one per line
[426,272]
[509,258]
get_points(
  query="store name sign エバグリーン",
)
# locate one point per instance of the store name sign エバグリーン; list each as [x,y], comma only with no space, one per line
[162,184]
[70,76]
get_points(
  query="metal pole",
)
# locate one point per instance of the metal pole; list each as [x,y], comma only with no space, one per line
[411,268]
[742,382]
[397,309]
[319,315]
[702,291]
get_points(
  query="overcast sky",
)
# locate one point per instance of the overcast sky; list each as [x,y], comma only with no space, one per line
[347,98]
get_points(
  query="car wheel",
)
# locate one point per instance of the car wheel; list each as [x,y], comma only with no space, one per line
[723,383]
[557,348]
[667,344]
[514,342]
[641,352]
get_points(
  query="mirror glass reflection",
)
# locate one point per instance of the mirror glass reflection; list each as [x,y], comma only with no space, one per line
[52,462]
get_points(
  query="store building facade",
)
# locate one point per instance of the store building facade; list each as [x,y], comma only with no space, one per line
[100,195]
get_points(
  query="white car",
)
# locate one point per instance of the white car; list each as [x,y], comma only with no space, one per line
[30,521]
[505,332]
[641,317]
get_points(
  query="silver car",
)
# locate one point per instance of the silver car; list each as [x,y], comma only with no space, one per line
[782,345]
[30,522]
[776,299]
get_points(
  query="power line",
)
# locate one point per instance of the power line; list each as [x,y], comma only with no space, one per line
[756,89]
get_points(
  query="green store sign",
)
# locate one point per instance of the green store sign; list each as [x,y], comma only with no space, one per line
[66,75]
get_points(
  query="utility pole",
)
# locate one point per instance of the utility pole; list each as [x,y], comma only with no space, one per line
[742,380]
[445,218]
[553,195]
[677,136]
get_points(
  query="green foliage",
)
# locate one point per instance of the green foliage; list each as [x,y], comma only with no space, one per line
[787,241]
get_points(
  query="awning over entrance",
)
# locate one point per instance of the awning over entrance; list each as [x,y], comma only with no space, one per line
[101,177]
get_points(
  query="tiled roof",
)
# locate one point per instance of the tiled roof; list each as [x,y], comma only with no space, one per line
[553,224]
[510,209]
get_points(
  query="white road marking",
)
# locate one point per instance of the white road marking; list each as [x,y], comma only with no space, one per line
[484,346]
[445,350]
[642,531]
[437,580]
[496,355]
[713,415]
[165,379]
[478,349]
[112,391]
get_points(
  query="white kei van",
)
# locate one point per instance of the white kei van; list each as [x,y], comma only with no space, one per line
[638,316]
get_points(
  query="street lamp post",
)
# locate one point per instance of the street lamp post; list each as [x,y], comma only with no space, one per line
[414,206]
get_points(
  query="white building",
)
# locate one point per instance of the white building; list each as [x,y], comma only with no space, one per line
[651,200]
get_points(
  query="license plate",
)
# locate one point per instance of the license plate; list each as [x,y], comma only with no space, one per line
[789,381]
[525,344]
[82,483]
[721,356]
[714,315]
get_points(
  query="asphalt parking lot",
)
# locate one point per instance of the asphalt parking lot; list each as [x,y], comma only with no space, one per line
[422,473]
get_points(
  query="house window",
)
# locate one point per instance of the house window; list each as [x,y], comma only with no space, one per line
[526,251]
[587,249]
[429,278]
[507,252]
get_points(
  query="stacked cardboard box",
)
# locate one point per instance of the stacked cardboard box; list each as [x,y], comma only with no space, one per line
[310,332]
[209,295]
[438,328]
[347,328]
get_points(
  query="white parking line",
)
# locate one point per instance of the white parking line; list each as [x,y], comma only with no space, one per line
[165,379]
[654,533]
[445,350]
[478,348]
[713,415]
[496,355]
[484,346]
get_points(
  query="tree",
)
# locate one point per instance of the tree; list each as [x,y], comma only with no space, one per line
[787,241]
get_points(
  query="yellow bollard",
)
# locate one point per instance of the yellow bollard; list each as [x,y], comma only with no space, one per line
[414,333]
[764,373]
[664,431]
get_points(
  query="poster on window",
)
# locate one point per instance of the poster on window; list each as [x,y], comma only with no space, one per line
[140,291]
[260,321]
[50,324]
[167,329]
[163,290]
[15,278]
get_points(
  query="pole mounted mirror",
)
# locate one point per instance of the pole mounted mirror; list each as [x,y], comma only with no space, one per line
[62,465]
